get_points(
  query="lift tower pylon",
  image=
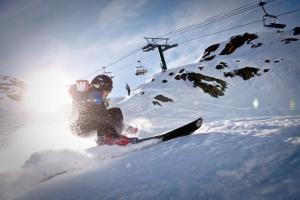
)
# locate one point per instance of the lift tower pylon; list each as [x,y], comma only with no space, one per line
[162,46]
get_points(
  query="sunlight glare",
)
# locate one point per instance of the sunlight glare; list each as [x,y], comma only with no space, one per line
[292,104]
[255,103]
[47,91]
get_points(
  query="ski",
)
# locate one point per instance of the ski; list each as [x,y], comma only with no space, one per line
[178,132]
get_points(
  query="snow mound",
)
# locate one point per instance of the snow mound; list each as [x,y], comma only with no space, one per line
[46,166]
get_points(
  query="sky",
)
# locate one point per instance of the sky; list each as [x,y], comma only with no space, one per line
[79,37]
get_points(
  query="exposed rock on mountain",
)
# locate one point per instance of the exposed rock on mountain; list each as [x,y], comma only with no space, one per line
[210,49]
[296,30]
[162,98]
[246,73]
[11,88]
[237,41]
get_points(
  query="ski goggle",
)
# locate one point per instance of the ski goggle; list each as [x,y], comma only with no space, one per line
[106,87]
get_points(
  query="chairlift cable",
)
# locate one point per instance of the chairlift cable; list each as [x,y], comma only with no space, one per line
[217,18]
[211,22]
[191,25]
[116,61]
[189,28]
[235,27]
[214,33]
[221,31]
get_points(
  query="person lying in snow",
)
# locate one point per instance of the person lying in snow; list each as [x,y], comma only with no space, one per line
[91,112]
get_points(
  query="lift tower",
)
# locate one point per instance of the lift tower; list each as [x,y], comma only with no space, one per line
[162,46]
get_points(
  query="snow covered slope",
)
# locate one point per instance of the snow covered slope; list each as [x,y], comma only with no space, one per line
[254,158]
[248,75]
[247,91]
[11,88]
[11,115]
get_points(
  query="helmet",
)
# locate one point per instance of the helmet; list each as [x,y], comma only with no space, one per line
[102,82]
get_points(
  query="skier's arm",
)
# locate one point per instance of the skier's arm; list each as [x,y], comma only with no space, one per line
[76,95]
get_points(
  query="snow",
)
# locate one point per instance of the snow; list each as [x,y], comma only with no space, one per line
[247,148]
[218,163]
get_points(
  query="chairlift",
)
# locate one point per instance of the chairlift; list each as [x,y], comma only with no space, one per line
[140,70]
[109,74]
[270,21]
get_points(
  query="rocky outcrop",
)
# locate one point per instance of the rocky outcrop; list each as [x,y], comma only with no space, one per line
[156,103]
[163,98]
[289,40]
[236,42]
[11,88]
[221,65]
[213,86]
[256,45]
[246,73]
[210,85]
[210,49]
[208,58]
[296,30]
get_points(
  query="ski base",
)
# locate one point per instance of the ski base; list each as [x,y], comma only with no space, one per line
[187,129]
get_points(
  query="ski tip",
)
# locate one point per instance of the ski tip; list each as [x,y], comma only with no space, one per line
[199,122]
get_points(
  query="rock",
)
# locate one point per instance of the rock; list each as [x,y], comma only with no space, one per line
[183,76]
[289,40]
[162,98]
[178,77]
[246,73]
[221,65]
[210,49]
[257,45]
[236,42]
[213,86]
[156,103]
[296,30]
[208,58]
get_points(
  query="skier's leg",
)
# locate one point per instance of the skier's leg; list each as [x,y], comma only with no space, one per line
[116,119]
[110,127]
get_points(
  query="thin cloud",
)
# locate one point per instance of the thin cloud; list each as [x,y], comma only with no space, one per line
[116,14]
[15,8]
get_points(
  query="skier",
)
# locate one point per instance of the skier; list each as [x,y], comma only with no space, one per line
[92,113]
[128,89]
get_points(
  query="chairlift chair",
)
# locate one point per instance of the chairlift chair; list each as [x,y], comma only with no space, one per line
[140,70]
[109,74]
[270,21]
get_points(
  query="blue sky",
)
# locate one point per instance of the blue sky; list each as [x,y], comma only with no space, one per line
[79,37]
